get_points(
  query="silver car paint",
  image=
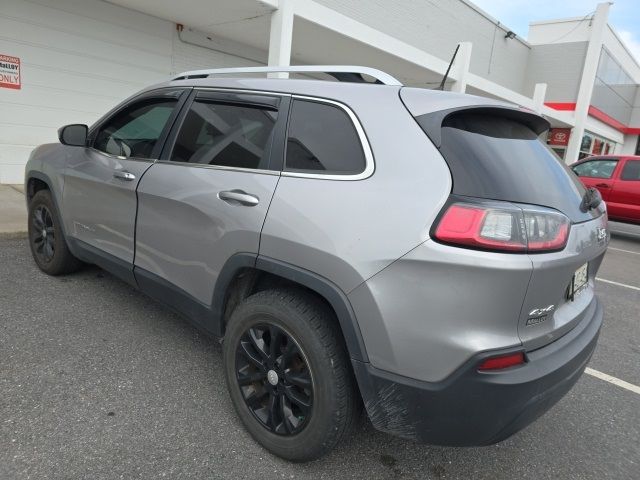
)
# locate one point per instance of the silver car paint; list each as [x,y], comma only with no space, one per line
[423,308]
[186,233]
[552,273]
[49,159]
[420,101]
[346,231]
[432,309]
[100,208]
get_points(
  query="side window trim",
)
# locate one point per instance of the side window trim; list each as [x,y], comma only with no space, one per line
[364,143]
[276,157]
[150,95]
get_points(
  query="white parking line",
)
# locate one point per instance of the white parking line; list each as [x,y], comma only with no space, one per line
[618,284]
[622,250]
[615,381]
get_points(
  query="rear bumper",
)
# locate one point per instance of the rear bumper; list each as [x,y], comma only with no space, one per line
[471,408]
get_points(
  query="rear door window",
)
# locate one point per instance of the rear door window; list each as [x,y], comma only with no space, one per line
[228,135]
[323,140]
[596,168]
[631,170]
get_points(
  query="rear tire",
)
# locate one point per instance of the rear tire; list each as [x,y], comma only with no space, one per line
[46,239]
[298,397]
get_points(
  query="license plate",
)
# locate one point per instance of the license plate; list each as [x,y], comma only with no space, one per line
[579,281]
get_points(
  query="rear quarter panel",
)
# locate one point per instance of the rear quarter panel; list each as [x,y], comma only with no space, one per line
[346,231]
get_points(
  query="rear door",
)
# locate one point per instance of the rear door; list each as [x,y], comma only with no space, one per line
[207,199]
[100,185]
[597,173]
[624,200]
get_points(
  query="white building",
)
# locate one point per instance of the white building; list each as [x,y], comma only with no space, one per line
[78,58]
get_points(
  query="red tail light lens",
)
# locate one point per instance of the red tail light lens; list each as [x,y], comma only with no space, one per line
[503,228]
[503,361]
[479,227]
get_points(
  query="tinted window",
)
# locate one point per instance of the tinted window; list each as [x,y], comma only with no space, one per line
[225,135]
[631,170]
[322,139]
[596,168]
[491,156]
[135,131]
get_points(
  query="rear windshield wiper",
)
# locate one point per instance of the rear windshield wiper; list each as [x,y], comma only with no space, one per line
[591,199]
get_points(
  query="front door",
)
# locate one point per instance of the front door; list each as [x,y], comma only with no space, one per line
[208,199]
[597,173]
[101,179]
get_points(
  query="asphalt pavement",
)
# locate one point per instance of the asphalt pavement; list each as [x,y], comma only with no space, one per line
[97,381]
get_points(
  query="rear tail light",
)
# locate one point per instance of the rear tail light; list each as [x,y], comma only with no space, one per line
[502,361]
[501,226]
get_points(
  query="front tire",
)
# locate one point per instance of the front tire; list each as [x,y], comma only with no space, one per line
[46,240]
[288,374]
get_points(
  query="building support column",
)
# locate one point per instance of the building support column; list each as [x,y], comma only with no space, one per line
[592,57]
[280,37]
[461,67]
[539,92]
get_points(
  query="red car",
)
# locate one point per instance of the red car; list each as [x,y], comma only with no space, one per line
[618,180]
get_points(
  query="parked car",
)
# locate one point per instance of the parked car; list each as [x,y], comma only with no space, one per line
[617,178]
[417,252]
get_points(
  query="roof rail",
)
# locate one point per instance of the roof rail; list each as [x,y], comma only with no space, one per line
[342,73]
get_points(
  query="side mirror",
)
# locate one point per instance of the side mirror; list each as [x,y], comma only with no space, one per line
[74,135]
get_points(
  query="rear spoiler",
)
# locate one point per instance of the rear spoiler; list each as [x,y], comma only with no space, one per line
[433,122]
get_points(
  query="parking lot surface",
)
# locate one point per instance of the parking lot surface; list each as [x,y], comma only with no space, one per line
[98,381]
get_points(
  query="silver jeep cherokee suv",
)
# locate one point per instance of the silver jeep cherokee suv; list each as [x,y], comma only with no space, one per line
[353,242]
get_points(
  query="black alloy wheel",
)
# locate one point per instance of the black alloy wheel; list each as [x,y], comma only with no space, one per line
[43,234]
[46,237]
[275,380]
[289,374]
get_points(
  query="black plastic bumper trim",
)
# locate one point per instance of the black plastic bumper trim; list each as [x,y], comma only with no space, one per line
[471,408]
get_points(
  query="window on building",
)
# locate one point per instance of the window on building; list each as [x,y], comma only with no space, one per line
[596,168]
[225,135]
[614,90]
[322,139]
[135,131]
[631,170]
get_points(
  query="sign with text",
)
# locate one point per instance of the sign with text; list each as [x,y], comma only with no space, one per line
[10,72]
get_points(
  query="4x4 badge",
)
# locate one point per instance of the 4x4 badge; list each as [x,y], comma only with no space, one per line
[539,315]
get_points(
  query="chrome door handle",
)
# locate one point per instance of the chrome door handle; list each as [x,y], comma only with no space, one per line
[124,176]
[238,197]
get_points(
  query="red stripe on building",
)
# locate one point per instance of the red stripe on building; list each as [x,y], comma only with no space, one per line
[597,114]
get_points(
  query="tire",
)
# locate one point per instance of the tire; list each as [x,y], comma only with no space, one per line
[318,374]
[46,239]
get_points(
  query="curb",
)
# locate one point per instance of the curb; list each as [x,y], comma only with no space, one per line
[13,235]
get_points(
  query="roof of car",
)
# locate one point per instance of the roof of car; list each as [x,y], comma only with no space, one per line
[434,100]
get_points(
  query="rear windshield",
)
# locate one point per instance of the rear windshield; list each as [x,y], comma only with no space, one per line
[502,159]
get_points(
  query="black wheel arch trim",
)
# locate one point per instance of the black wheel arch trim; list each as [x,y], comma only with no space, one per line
[43,177]
[322,286]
